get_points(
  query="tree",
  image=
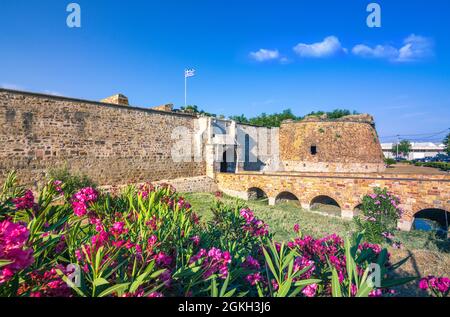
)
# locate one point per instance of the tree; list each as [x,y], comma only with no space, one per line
[335,114]
[240,119]
[265,120]
[193,109]
[447,144]
[403,148]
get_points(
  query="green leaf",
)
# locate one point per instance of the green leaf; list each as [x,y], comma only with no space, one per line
[114,289]
[224,286]
[70,283]
[4,263]
[304,283]
[214,290]
[230,293]
[364,290]
[270,264]
[335,285]
[99,281]
[397,282]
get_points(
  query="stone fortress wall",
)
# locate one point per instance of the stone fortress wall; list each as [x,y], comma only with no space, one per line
[115,144]
[111,143]
[349,144]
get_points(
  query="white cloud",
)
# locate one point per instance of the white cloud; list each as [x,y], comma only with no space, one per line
[11,86]
[379,51]
[265,55]
[51,92]
[414,48]
[328,47]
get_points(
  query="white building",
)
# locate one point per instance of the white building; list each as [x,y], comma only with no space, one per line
[419,150]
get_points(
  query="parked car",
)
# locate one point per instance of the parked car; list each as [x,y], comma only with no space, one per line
[400,159]
[441,158]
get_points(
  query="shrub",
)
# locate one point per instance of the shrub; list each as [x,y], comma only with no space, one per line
[440,165]
[381,211]
[390,161]
[72,182]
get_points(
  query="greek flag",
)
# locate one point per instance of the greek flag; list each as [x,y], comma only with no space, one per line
[189,73]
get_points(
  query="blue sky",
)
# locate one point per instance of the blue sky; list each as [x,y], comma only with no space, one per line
[250,56]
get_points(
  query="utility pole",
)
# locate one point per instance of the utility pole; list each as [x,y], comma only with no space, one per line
[398,141]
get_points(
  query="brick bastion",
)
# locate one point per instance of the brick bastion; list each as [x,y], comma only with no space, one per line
[416,192]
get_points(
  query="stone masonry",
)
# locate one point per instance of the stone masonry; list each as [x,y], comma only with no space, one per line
[321,145]
[116,144]
[416,192]
[112,144]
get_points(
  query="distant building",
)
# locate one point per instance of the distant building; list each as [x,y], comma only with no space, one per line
[419,150]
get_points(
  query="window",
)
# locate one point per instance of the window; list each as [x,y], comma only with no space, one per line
[313,150]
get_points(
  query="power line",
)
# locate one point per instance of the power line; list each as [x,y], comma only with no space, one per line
[431,134]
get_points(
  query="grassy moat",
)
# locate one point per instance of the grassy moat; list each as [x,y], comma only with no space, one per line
[429,256]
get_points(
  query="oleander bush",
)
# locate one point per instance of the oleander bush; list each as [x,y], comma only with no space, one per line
[380,214]
[147,241]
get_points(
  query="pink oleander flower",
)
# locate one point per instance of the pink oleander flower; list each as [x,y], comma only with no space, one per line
[310,290]
[251,263]
[58,186]
[145,190]
[439,286]
[163,259]
[152,241]
[24,202]
[155,295]
[376,293]
[183,204]
[196,240]
[100,239]
[247,214]
[82,199]
[213,261]
[253,279]
[297,228]
[388,235]
[118,228]
[166,278]
[301,263]
[254,226]
[13,239]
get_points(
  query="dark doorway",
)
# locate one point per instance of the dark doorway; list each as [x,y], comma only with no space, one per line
[228,164]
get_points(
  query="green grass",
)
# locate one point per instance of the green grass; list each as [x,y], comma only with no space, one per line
[282,218]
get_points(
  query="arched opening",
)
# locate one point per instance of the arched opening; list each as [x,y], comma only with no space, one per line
[287,198]
[257,194]
[327,205]
[436,220]
[228,163]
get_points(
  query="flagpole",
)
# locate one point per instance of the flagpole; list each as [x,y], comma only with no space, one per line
[185,90]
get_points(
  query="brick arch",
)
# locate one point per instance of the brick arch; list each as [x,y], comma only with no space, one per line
[420,207]
[358,204]
[289,192]
[326,194]
[260,188]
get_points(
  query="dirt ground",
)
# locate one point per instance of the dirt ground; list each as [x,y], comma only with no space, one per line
[421,264]
[411,169]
